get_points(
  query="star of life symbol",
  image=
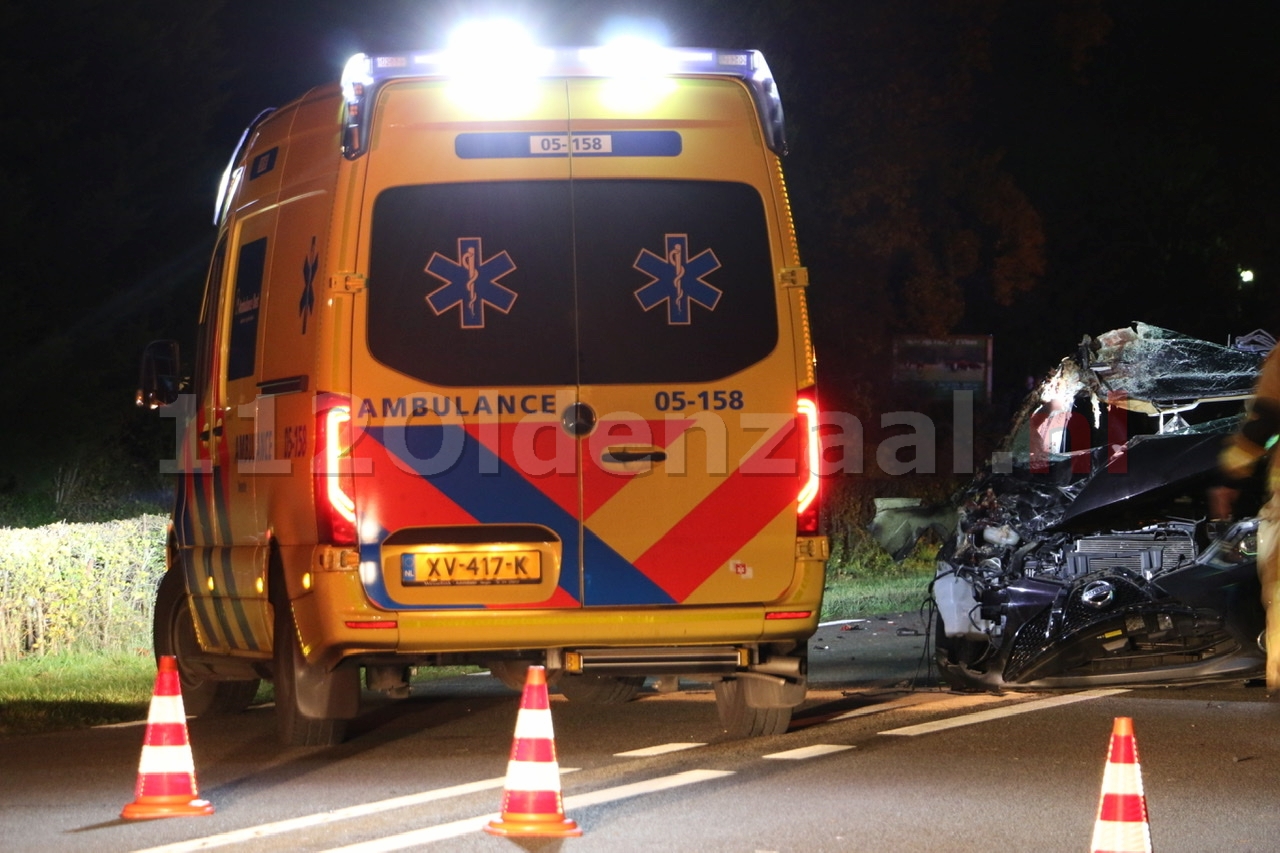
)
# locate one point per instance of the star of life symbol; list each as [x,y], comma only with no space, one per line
[677,279]
[307,303]
[471,282]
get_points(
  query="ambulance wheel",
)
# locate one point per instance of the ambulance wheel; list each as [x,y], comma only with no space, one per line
[294,728]
[600,689]
[741,720]
[174,634]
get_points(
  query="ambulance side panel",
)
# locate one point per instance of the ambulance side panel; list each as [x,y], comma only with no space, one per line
[305,332]
[257,367]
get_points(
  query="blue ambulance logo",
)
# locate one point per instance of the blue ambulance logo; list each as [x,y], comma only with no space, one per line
[307,303]
[677,280]
[471,282]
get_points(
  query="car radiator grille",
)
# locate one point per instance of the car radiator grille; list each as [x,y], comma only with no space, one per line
[1037,635]
[1143,553]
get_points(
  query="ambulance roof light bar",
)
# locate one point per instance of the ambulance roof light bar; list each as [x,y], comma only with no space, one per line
[498,50]
[364,74]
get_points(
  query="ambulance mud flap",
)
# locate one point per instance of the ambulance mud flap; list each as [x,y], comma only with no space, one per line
[327,695]
[759,703]
[312,703]
[761,690]
[779,682]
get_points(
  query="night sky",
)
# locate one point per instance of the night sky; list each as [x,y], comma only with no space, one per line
[1033,169]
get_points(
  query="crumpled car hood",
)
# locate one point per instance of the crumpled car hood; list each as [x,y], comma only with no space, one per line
[1147,465]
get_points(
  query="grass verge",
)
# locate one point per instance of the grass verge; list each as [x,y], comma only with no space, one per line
[71,691]
[872,583]
[898,594]
[42,694]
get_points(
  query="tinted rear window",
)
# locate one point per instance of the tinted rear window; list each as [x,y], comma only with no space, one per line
[479,284]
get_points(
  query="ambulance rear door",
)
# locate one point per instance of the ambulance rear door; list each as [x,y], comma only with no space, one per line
[467,360]
[690,476]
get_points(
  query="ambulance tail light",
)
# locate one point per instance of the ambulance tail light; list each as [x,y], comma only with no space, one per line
[788,614]
[335,508]
[807,518]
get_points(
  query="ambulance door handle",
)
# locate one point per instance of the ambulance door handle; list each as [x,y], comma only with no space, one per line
[623,456]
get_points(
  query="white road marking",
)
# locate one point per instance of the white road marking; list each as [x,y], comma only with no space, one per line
[649,786]
[128,724]
[578,801]
[999,713]
[660,749]
[307,821]
[894,704]
[131,723]
[606,795]
[937,701]
[444,831]
[809,751]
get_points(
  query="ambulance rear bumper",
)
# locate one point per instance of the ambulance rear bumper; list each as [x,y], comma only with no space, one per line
[682,639]
[337,623]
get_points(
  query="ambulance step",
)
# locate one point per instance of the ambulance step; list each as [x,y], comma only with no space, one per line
[704,659]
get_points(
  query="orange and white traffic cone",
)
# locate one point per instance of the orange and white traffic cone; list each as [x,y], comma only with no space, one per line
[1121,825]
[531,802]
[166,773]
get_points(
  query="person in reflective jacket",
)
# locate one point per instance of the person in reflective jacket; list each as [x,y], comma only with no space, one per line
[1237,462]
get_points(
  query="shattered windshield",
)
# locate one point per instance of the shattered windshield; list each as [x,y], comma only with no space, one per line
[1133,381]
[1151,365]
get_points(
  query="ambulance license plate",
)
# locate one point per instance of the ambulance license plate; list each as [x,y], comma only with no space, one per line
[459,568]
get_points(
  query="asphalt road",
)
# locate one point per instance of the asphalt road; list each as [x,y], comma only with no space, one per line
[879,758]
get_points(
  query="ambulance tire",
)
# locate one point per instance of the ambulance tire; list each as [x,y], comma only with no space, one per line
[174,634]
[293,728]
[600,689]
[741,720]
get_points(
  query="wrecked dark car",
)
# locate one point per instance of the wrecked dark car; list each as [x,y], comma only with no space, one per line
[1084,554]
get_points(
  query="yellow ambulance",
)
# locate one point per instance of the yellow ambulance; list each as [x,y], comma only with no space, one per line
[501,361]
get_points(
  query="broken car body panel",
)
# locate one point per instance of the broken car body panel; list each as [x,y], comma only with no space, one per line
[1084,555]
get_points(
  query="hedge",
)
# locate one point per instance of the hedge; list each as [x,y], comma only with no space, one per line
[79,587]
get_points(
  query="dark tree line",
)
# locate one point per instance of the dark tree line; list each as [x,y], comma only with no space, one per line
[106,186]
[1032,169]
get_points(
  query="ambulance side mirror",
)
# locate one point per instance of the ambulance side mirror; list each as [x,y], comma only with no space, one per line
[160,376]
